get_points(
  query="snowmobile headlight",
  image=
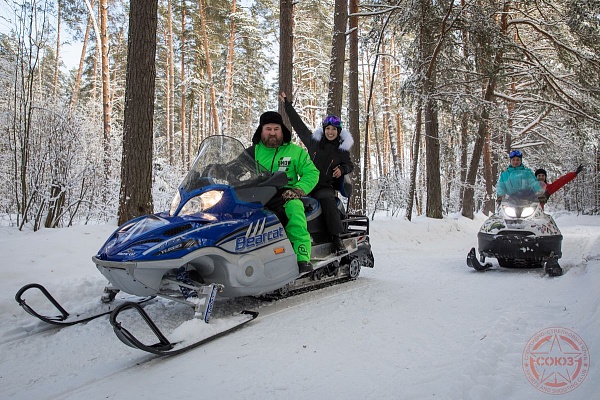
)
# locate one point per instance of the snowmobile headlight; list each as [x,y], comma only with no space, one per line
[510,211]
[527,212]
[200,203]
[175,203]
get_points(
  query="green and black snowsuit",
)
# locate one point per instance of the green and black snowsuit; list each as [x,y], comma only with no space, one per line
[302,174]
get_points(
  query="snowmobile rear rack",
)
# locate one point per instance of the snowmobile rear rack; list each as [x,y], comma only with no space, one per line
[65,318]
[357,225]
[163,346]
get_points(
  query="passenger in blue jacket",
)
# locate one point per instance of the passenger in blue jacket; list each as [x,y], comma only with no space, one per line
[329,148]
[517,179]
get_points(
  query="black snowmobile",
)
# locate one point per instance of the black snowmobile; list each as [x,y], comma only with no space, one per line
[519,235]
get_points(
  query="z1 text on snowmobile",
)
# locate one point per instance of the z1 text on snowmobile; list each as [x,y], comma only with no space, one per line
[519,235]
[217,240]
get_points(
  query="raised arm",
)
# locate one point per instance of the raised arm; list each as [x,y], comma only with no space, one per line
[299,126]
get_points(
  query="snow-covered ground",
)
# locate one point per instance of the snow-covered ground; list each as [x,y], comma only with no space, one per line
[420,325]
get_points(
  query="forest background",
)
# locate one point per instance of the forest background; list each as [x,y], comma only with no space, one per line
[435,93]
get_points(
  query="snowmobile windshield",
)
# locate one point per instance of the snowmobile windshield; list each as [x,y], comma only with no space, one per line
[223,160]
[520,205]
[523,198]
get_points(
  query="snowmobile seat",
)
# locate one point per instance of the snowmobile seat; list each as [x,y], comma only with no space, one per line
[345,186]
[312,208]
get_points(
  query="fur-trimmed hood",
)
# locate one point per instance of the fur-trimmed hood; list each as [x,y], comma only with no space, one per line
[346,140]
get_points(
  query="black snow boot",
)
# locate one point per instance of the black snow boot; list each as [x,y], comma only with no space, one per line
[338,245]
[474,263]
[552,268]
[304,267]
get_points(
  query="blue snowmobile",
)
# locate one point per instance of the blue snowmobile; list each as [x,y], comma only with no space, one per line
[218,239]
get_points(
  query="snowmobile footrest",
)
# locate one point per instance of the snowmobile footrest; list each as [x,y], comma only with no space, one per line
[210,292]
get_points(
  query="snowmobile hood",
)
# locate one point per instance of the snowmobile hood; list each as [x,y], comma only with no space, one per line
[137,236]
[521,215]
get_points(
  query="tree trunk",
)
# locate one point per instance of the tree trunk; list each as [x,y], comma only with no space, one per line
[136,169]
[170,83]
[464,121]
[168,107]
[86,37]
[415,162]
[57,55]
[286,52]
[106,105]
[432,156]
[185,160]
[596,172]
[227,122]
[464,134]
[354,106]
[489,202]
[388,125]
[430,52]
[213,97]
[338,58]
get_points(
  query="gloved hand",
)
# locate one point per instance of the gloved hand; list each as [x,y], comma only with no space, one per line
[542,199]
[291,194]
[499,200]
[579,169]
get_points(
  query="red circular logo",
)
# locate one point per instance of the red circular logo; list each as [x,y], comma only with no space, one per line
[556,360]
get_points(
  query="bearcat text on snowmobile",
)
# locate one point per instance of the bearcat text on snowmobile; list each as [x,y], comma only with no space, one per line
[519,235]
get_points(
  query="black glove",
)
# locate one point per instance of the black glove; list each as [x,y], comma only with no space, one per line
[542,199]
[579,169]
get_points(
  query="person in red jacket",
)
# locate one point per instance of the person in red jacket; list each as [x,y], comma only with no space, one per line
[550,188]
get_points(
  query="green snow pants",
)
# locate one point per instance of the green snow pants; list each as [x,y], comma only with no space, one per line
[296,229]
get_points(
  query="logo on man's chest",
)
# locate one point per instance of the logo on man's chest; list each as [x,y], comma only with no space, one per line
[284,163]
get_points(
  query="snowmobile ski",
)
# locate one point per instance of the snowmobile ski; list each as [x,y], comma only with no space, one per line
[475,264]
[164,346]
[552,267]
[65,318]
